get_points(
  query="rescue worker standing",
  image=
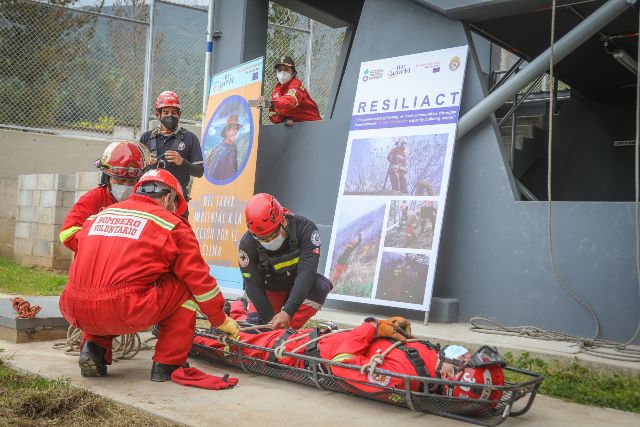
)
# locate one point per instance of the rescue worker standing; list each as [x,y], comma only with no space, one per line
[397,159]
[290,101]
[278,258]
[108,295]
[122,163]
[178,148]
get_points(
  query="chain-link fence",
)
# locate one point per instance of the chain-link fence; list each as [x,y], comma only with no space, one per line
[83,70]
[314,48]
[66,69]
[179,38]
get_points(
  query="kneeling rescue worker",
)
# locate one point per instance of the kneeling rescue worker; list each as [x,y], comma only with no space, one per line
[139,264]
[278,258]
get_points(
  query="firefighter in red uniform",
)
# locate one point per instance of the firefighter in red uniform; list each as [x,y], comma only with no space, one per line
[397,159]
[290,101]
[357,346]
[278,259]
[139,264]
[122,163]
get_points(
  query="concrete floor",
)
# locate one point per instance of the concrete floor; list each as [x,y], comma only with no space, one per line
[263,401]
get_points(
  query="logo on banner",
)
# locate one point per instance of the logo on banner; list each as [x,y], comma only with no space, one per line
[433,66]
[221,85]
[454,64]
[399,70]
[254,76]
[129,227]
[375,74]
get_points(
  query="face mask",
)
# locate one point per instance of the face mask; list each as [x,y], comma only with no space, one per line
[170,122]
[275,244]
[121,192]
[283,77]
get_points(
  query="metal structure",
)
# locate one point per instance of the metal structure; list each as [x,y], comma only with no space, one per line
[316,372]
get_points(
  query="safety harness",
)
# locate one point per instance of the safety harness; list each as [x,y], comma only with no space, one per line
[413,355]
[285,336]
[153,145]
[281,266]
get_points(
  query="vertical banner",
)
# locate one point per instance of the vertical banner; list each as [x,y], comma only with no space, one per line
[229,150]
[388,219]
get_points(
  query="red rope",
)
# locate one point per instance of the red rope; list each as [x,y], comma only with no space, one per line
[24,309]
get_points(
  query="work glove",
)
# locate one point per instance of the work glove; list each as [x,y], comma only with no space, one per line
[230,327]
[397,328]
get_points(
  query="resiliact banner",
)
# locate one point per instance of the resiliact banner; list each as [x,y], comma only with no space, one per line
[229,150]
[388,218]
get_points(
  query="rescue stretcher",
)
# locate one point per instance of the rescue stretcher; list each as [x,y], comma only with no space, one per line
[316,374]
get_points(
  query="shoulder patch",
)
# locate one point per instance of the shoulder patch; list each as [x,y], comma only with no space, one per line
[315,238]
[243,259]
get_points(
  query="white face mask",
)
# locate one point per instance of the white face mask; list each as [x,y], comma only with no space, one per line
[283,77]
[275,244]
[121,192]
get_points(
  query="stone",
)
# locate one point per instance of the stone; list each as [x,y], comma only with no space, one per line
[87,180]
[23,230]
[22,247]
[68,199]
[26,214]
[45,215]
[46,181]
[25,197]
[27,182]
[42,248]
[50,198]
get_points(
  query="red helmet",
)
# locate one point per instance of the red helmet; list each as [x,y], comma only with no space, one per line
[168,98]
[484,367]
[264,214]
[124,159]
[165,177]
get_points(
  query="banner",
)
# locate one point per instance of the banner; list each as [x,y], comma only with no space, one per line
[388,219]
[229,150]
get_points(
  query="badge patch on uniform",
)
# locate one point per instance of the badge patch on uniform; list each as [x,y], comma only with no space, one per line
[316,251]
[291,92]
[379,379]
[126,226]
[315,238]
[243,258]
[182,145]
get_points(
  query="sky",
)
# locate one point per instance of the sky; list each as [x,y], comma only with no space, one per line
[82,3]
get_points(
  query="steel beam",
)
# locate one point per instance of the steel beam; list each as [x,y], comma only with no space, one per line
[563,47]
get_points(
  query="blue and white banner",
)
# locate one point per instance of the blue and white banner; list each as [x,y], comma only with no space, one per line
[388,219]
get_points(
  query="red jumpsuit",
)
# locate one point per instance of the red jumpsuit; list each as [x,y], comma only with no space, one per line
[138,265]
[292,101]
[92,202]
[355,347]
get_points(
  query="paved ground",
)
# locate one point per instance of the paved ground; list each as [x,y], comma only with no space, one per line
[262,401]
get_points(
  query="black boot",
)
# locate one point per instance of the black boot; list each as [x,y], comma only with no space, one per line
[91,360]
[161,372]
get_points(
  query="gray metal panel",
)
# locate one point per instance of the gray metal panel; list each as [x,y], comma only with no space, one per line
[493,254]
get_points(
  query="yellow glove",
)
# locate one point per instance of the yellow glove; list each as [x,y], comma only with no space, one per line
[230,327]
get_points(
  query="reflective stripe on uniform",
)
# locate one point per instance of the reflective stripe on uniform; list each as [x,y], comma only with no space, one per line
[342,356]
[117,211]
[207,295]
[272,113]
[190,305]
[286,263]
[65,234]
[247,275]
[312,304]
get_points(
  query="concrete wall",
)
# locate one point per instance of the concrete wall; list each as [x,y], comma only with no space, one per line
[493,254]
[26,153]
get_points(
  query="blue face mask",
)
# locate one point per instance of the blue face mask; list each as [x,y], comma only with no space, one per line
[275,244]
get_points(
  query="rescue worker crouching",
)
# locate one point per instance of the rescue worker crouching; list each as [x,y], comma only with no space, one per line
[139,264]
[278,259]
[122,163]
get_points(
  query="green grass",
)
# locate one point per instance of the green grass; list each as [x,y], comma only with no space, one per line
[578,384]
[30,400]
[19,280]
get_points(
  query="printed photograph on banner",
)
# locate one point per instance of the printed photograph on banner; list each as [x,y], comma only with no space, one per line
[403,277]
[227,140]
[411,224]
[353,263]
[407,165]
